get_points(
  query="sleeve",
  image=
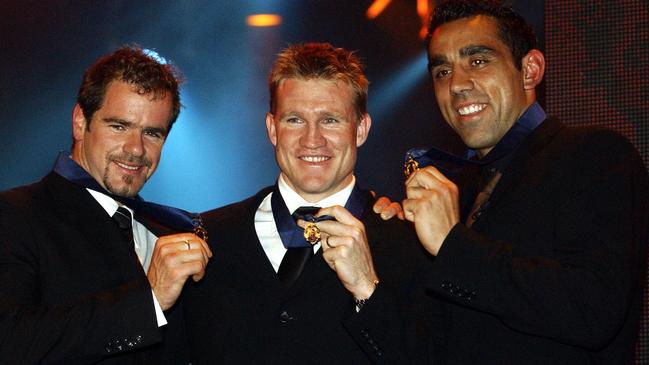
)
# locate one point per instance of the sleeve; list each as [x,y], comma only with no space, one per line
[400,323]
[580,271]
[85,329]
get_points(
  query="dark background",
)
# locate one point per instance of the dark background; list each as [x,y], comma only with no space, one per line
[217,153]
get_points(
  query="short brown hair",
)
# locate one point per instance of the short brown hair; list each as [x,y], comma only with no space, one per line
[135,66]
[319,61]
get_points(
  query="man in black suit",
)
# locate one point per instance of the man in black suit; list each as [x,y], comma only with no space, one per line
[77,287]
[271,297]
[540,254]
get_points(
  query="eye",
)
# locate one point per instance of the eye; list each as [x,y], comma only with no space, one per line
[478,62]
[293,120]
[330,121]
[154,134]
[117,127]
[441,73]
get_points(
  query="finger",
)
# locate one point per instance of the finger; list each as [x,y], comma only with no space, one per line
[341,214]
[409,206]
[380,204]
[328,242]
[394,209]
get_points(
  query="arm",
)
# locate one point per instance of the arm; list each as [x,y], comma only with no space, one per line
[566,263]
[395,323]
[82,329]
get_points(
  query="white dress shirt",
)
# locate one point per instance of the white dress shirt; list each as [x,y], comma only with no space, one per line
[144,242]
[267,229]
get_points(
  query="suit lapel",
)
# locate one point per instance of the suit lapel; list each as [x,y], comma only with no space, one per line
[76,207]
[523,157]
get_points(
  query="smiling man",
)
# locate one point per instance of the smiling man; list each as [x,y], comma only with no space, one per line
[348,295]
[90,271]
[540,242]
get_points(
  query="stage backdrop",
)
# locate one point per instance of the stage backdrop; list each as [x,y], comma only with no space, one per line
[597,74]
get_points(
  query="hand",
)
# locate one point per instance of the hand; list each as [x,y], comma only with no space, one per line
[432,204]
[346,251]
[175,258]
[388,209]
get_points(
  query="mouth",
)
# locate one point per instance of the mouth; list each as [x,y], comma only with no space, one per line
[132,168]
[314,159]
[471,109]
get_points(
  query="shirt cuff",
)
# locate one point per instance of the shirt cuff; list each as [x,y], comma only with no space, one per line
[159,314]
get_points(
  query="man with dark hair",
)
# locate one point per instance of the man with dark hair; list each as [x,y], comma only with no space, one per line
[85,277]
[540,241]
[340,288]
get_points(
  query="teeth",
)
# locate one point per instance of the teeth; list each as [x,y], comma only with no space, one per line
[314,158]
[473,108]
[127,166]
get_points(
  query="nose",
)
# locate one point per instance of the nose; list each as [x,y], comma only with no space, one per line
[313,137]
[461,81]
[134,144]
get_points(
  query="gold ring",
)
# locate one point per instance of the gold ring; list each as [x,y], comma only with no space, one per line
[189,247]
[327,242]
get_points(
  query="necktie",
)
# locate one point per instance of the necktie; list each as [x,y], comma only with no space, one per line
[482,200]
[123,219]
[296,258]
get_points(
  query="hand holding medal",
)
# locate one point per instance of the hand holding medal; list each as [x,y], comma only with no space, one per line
[345,248]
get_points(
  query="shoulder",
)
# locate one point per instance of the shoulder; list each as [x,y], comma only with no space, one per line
[23,197]
[584,147]
[236,211]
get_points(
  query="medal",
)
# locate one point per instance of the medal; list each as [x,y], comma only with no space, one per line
[410,166]
[312,233]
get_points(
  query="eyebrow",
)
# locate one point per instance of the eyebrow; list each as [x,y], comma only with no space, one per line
[473,49]
[470,50]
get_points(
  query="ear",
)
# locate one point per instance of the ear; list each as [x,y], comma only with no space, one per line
[363,129]
[270,128]
[79,123]
[533,69]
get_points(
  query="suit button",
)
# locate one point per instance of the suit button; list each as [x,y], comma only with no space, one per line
[285,317]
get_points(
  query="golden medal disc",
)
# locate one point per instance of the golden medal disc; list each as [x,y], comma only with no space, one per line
[312,233]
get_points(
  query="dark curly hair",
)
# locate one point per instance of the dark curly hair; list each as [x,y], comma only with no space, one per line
[319,61]
[133,65]
[513,29]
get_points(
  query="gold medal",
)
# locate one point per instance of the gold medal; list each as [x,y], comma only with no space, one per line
[312,233]
[410,166]
[199,230]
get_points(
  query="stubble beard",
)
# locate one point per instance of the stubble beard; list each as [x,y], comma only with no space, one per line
[128,190]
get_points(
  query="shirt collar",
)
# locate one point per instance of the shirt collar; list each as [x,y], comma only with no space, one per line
[109,204]
[293,200]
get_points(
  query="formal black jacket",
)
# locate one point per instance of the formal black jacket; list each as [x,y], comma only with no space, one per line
[72,290]
[241,314]
[552,271]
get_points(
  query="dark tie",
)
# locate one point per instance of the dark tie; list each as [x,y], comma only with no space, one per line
[482,200]
[296,258]
[123,219]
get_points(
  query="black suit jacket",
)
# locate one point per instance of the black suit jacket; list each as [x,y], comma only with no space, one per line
[72,292]
[241,314]
[551,272]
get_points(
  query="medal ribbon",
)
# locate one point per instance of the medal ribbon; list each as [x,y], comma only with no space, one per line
[291,234]
[173,218]
[451,165]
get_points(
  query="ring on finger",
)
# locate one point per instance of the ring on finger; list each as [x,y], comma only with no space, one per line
[327,242]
